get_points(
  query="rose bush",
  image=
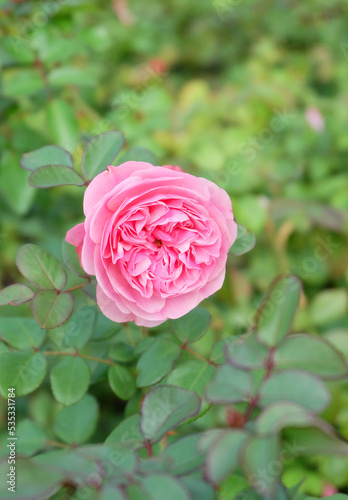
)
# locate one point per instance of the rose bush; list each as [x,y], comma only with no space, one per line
[156,238]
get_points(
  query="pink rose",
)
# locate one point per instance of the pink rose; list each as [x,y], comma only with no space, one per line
[156,238]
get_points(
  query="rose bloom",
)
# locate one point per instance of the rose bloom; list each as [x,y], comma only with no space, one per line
[156,238]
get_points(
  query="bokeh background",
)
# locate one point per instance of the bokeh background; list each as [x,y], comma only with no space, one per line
[250,94]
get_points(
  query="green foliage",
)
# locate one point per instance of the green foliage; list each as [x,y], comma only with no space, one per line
[232,405]
[222,458]
[23,370]
[284,298]
[192,326]
[48,155]
[271,381]
[51,309]
[100,152]
[41,268]
[164,408]
[313,354]
[15,295]
[21,333]
[245,241]
[55,175]
[62,124]
[70,379]
[157,361]
[121,381]
[76,423]
[31,438]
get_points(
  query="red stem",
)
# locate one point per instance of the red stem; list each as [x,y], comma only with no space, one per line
[148,447]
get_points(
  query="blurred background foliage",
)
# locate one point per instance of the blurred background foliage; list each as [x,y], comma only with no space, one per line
[250,94]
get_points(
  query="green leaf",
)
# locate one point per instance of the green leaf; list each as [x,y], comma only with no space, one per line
[90,290]
[223,457]
[55,175]
[208,438]
[122,352]
[313,354]
[246,352]
[135,492]
[193,375]
[70,379]
[199,489]
[22,82]
[21,333]
[184,454]
[192,326]
[71,75]
[40,267]
[33,481]
[127,433]
[244,242]
[18,47]
[14,186]
[71,261]
[48,155]
[235,486]
[122,460]
[257,457]
[51,310]
[3,347]
[78,329]
[15,294]
[62,124]
[328,306]
[112,492]
[160,485]
[164,408]
[139,154]
[275,316]
[144,344]
[72,463]
[277,416]
[30,438]
[316,441]
[76,423]
[100,152]
[230,385]
[217,355]
[121,382]
[297,386]
[157,361]
[23,371]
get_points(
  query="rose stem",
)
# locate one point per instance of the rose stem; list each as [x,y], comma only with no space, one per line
[77,354]
[78,286]
[56,443]
[185,348]
[148,447]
